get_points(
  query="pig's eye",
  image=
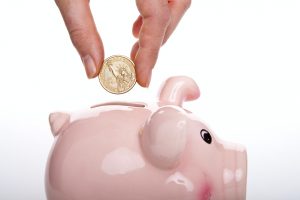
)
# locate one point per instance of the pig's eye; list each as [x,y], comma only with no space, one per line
[206,136]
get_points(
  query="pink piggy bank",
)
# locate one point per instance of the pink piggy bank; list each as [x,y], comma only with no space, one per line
[138,151]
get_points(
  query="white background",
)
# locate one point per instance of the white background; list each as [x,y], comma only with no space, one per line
[245,56]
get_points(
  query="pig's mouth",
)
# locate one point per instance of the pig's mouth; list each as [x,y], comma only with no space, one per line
[128,104]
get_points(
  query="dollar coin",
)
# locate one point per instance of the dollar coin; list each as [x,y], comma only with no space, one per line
[117,74]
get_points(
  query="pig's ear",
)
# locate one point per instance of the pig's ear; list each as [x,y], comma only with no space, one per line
[177,89]
[163,138]
[58,122]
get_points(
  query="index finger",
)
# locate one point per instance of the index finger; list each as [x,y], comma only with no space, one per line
[156,17]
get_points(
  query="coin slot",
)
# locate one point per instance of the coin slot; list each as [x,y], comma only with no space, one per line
[139,105]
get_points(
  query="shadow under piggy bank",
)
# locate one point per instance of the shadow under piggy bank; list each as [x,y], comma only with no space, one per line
[138,151]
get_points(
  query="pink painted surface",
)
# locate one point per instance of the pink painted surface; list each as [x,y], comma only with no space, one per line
[136,151]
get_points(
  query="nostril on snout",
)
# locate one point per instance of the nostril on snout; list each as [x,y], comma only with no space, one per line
[235,172]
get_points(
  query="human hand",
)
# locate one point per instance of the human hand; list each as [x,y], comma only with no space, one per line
[157,21]
[83,32]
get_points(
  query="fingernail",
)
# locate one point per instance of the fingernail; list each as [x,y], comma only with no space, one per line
[148,78]
[90,66]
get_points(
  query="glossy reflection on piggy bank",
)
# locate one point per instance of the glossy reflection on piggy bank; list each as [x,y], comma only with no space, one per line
[137,151]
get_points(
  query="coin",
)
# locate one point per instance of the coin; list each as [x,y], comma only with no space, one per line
[117,74]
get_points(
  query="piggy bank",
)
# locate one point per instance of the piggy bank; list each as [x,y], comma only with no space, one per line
[141,151]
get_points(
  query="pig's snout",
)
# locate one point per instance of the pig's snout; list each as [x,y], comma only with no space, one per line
[235,172]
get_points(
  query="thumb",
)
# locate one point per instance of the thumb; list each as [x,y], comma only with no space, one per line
[83,32]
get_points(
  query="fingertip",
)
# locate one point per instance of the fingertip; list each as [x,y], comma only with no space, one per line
[134,51]
[144,78]
[100,61]
[92,59]
[140,77]
[89,65]
[143,70]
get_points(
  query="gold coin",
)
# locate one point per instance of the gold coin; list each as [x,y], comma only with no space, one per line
[117,74]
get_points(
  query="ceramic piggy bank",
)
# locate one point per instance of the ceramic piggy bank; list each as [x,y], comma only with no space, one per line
[139,151]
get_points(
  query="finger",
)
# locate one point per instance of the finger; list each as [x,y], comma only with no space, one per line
[80,24]
[177,10]
[134,50]
[137,26]
[155,21]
